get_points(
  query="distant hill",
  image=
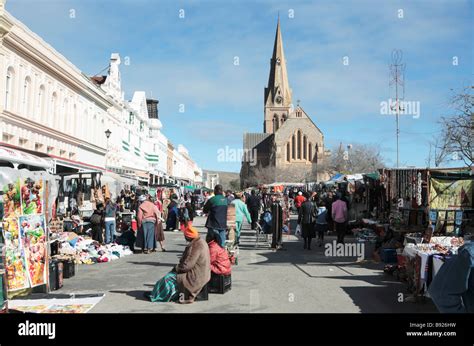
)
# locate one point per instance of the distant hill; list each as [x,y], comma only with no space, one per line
[225,178]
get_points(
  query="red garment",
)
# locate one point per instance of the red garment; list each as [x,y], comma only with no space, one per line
[159,205]
[220,263]
[299,200]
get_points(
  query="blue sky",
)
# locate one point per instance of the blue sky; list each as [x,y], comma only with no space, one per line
[190,61]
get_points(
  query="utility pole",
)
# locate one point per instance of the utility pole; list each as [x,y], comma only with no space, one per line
[397,78]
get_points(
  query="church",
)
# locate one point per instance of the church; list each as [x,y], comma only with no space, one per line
[291,147]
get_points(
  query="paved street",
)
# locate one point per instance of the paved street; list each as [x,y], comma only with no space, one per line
[294,280]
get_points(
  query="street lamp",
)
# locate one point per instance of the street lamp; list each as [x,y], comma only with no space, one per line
[349,163]
[107,134]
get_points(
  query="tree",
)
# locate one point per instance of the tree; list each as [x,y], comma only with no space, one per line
[457,130]
[358,158]
[235,184]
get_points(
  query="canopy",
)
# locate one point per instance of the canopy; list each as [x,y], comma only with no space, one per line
[374,175]
[21,158]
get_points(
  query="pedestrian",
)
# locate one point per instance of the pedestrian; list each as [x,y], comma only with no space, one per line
[253,205]
[240,211]
[328,204]
[339,215]
[109,218]
[183,216]
[229,196]
[321,224]
[216,210]
[147,218]
[96,221]
[299,199]
[277,223]
[172,221]
[306,219]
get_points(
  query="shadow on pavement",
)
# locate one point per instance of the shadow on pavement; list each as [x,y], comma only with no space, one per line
[156,264]
[137,294]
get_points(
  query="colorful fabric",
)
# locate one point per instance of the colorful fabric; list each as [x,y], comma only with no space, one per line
[166,289]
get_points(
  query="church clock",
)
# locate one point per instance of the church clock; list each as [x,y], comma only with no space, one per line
[278,99]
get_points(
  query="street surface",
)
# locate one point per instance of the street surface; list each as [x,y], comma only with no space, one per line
[264,281]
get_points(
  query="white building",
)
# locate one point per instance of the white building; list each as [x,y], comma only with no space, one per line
[49,108]
[47,105]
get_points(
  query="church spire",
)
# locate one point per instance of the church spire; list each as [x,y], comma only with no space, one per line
[278,92]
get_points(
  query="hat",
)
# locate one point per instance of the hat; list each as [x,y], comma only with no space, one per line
[300,193]
[142,198]
[191,232]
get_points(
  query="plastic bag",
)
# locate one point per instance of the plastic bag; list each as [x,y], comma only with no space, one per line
[298,230]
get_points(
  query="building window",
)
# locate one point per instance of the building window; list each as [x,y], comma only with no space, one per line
[299,144]
[283,118]
[276,123]
[9,88]
[293,147]
[305,148]
[54,111]
[40,103]
[50,150]
[316,154]
[310,152]
[26,96]
[23,142]
[288,151]
[38,147]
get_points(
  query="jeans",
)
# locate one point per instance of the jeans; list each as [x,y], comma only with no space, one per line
[452,289]
[221,233]
[148,235]
[109,231]
[341,232]
[238,228]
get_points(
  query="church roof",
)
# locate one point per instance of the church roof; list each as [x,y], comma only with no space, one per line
[278,77]
[251,140]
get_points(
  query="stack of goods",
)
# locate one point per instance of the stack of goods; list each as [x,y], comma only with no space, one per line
[424,260]
[87,251]
[367,237]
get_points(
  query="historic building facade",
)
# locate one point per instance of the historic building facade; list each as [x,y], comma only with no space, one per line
[291,147]
[51,109]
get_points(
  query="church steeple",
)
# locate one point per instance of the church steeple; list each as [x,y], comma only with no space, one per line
[277,98]
[278,92]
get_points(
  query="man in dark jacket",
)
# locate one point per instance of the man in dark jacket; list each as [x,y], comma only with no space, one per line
[216,210]
[306,219]
[253,205]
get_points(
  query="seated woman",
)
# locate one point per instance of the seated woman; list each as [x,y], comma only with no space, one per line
[220,263]
[186,280]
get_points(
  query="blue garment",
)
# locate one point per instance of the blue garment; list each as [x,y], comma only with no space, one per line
[221,233]
[172,219]
[109,231]
[166,289]
[452,289]
[148,235]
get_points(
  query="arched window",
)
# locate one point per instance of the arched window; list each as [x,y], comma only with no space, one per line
[40,103]
[54,111]
[293,147]
[305,148]
[288,151]
[299,145]
[9,88]
[310,152]
[74,123]
[64,116]
[276,123]
[283,118]
[25,102]
[317,152]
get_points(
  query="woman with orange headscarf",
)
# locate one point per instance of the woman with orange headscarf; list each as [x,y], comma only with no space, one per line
[191,274]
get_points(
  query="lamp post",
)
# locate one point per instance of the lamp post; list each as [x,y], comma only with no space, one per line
[107,134]
[349,163]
